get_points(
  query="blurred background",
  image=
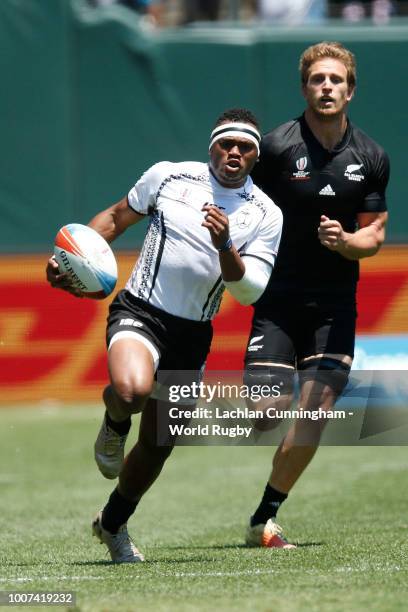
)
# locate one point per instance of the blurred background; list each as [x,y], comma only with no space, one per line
[95,91]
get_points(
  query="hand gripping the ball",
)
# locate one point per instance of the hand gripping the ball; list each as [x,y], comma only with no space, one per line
[61,280]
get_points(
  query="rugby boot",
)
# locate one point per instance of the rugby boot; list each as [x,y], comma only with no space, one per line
[268,535]
[121,547]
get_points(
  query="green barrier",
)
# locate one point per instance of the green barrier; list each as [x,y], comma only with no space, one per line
[36,173]
[90,100]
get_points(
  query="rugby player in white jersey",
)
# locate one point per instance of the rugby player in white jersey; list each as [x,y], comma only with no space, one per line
[210,228]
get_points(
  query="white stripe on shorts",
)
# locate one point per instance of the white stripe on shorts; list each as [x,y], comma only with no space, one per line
[136,336]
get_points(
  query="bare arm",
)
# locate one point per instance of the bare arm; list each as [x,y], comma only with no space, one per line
[365,242]
[113,221]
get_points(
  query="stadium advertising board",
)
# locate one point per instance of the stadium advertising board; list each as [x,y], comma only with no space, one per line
[52,344]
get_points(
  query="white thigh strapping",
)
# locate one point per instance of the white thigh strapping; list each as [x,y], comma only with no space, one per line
[136,336]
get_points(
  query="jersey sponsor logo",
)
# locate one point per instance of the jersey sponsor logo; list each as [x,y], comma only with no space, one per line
[131,323]
[255,347]
[351,170]
[327,191]
[244,219]
[301,175]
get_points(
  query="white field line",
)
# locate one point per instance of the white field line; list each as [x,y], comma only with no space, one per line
[346,569]
[47,578]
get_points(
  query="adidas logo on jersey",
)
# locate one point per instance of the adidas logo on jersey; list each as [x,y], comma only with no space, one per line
[327,191]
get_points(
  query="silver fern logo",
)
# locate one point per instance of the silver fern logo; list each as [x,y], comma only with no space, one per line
[350,173]
[252,344]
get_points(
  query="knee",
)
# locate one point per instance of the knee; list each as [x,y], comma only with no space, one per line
[131,393]
[131,390]
[332,374]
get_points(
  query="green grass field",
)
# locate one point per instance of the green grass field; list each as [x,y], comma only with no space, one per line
[348,514]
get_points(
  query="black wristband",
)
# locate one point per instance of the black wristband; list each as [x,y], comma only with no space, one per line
[226,246]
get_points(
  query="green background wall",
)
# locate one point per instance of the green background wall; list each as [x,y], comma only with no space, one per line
[89,101]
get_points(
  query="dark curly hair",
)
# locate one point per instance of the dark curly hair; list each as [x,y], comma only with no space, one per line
[237,115]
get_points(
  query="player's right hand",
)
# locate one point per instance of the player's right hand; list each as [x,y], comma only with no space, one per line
[217,224]
[331,234]
[60,280]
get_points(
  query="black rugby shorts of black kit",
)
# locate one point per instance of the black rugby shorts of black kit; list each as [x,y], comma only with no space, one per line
[292,328]
[183,344]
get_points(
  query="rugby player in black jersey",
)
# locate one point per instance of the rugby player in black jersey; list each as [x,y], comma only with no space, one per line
[329,179]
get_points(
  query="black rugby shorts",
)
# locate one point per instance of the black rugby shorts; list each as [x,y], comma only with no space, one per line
[290,330]
[182,344]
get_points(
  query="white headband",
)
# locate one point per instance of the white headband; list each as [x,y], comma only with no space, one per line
[234,129]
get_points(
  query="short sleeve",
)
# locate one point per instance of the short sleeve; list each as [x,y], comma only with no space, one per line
[375,200]
[265,243]
[142,197]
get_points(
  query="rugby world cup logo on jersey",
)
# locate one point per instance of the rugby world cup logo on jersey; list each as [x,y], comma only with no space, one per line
[301,175]
[185,196]
[301,163]
[350,172]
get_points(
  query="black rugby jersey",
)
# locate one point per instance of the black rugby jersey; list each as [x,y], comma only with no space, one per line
[306,181]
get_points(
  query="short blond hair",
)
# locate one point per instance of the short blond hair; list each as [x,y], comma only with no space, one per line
[328,49]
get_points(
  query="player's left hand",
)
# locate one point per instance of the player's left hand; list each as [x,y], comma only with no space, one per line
[331,234]
[217,223]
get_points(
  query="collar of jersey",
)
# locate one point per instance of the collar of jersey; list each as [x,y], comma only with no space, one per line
[340,146]
[231,190]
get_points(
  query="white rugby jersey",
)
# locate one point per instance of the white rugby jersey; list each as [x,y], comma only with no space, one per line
[178,269]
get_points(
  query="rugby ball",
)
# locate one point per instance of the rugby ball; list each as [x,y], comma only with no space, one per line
[87,258]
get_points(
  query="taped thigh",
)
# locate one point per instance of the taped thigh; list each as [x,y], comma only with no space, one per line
[326,370]
[273,379]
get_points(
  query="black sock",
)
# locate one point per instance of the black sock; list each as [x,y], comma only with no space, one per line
[121,428]
[117,511]
[269,506]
